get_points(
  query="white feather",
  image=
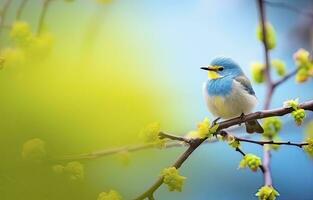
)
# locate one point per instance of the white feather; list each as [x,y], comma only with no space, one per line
[233,105]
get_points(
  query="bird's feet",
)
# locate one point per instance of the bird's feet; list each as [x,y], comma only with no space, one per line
[242,118]
[215,121]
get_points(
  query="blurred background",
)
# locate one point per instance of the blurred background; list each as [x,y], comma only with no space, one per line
[104,69]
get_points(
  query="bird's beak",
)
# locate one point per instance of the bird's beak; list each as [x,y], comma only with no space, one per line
[210,68]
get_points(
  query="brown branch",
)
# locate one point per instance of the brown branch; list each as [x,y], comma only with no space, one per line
[3,13]
[195,143]
[262,143]
[21,9]
[43,15]
[132,148]
[263,114]
[177,165]
[163,135]
[270,89]
[286,77]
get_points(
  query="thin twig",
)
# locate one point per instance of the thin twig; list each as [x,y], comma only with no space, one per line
[21,9]
[222,125]
[286,77]
[243,154]
[270,89]
[262,143]
[3,13]
[43,15]
[163,135]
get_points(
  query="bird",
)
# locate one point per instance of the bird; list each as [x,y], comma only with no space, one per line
[228,92]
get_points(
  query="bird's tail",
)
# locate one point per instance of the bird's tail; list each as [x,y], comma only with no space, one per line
[254,127]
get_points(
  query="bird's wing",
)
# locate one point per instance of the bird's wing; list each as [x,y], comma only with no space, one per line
[244,81]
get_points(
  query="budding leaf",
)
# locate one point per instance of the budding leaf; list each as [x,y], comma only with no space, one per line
[172,179]
[267,193]
[111,195]
[271,126]
[257,70]
[252,161]
[279,66]
[270,35]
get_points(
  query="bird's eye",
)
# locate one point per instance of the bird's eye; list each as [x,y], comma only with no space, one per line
[221,69]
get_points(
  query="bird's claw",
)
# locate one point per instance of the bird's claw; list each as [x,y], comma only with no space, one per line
[242,118]
[215,121]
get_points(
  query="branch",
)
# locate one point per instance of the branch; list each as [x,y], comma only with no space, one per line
[270,90]
[21,9]
[308,105]
[132,148]
[243,154]
[163,135]
[42,16]
[222,125]
[3,13]
[286,77]
[262,143]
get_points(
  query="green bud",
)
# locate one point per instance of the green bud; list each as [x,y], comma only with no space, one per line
[302,57]
[257,70]
[309,148]
[233,142]
[150,134]
[299,116]
[34,150]
[270,35]
[172,179]
[74,170]
[267,193]
[279,66]
[251,161]
[271,126]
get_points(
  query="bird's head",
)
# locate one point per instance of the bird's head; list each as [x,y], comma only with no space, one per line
[221,67]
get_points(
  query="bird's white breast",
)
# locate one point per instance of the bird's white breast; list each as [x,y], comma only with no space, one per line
[233,105]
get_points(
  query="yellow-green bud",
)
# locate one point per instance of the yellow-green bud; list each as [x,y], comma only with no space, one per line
[172,179]
[302,57]
[233,142]
[293,103]
[271,126]
[74,170]
[151,132]
[257,70]
[302,75]
[267,193]
[299,116]
[204,128]
[21,33]
[270,35]
[34,150]
[111,195]
[309,148]
[279,66]
[251,161]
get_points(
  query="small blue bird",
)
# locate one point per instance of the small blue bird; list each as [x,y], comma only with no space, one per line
[228,92]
